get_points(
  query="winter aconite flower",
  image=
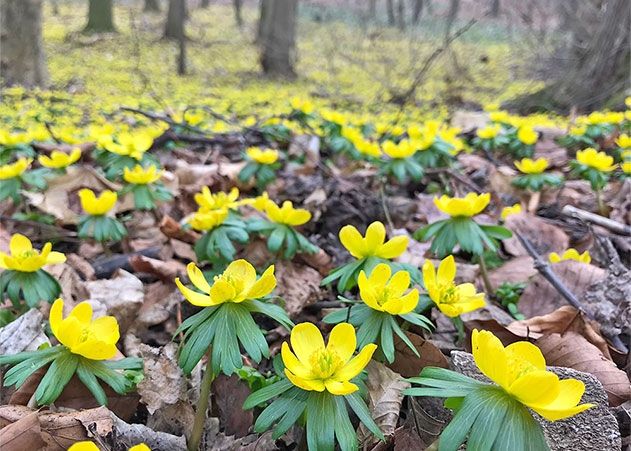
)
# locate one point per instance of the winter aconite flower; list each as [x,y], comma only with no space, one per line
[208,220]
[93,339]
[488,132]
[23,258]
[527,135]
[529,166]
[97,206]
[287,214]
[314,366]
[597,160]
[217,201]
[91,446]
[59,159]
[13,170]
[570,254]
[142,176]
[470,205]
[512,210]
[385,292]
[238,283]
[24,276]
[520,369]
[374,243]
[130,145]
[453,300]
[266,156]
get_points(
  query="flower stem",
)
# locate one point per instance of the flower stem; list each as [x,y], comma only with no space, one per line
[202,406]
[459,328]
[485,276]
[601,206]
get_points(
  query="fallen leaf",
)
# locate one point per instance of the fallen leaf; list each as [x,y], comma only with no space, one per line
[574,351]
[516,270]
[166,271]
[22,435]
[298,285]
[540,297]
[229,394]
[544,237]
[81,265]
[408,364]
[26,333]
[172,229]
[72,287]
[385,393]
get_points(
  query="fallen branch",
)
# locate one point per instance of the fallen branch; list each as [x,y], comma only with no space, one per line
[546,271]
[588,216]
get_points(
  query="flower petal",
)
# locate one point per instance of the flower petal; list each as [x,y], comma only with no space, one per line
[342,341]
[356,364]
[399,283]
[195,298]
[95,350]
[340,388]
[490,356]
[352,240]
[241,270]
[292,363]
[564,405]
[446,271]
[529,352]
[394,247]
[221,292]
[264,286]
[305,384]
[375,236]
[54,258]
[55,316]
[197,278]
[82,312]
[538,387]
[379,275]
[19,244]
[409,302]
[106,329]
[305,340]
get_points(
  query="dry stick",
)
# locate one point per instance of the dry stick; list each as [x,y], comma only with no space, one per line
[588,216]
[546,271]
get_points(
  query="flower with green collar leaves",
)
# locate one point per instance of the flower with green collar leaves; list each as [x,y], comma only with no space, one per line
[14,175]
[320,381]
[279,227]
[570,254]
[534,177]
[593,166]
[521,141]
[400,163]
[96,223]
[86,348]
[144,184]
[460,228]
[490,138]
[496,416]
[23,276]
[59,160]
[387,302]
[123,150]
[368,251]
[226,320]
[261,164]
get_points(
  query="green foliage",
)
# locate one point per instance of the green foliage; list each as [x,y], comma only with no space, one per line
[147,196]
[597,179]
[33,287]
[508,295]
[121,375]
[486,417]
[536,182]
[282,240]
[102,228]
[217,245]
[263,174]
[402,169]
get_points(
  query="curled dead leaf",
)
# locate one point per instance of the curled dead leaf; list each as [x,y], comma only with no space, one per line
[408,364]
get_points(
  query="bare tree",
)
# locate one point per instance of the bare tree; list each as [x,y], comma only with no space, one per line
[417,11]
[152,6]
[277,37]
[22,59]
[372,9]
[390,11]
[452,14]
[100,17]
[591,69]
[176,16]
[236,4]
[401,14]
[494,10]
[204,4]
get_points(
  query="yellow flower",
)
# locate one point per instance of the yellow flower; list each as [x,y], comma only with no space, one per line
[490,107]
[267,156]
[13,139]
[374,243]
[59,160]
[142,176]
[386,294]
[304,105]
[570,254]
[287,214]
[529,166]
[93,339]
[9,171]
[527,135]
[520,369]
[578,130]
[24,258]
[140,447]
[402,150]
[97,206]
[131,145]
[84,446]
[596,160]
[208,201]
[313,366]
[208,220]
[259,202]
[453,300]
[499,116]
[626,167]
[488,132]
[238,283]
[507,211]
[624,141]
[470,205]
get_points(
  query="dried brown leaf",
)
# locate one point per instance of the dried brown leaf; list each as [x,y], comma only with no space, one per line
[298,285]
[22,435]
[407,364]
[544,237]
[572,350]
[166,271]
[229,394]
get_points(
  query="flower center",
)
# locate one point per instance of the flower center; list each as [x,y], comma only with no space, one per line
[324,363]
[449,294]
[86,334]
[27,254]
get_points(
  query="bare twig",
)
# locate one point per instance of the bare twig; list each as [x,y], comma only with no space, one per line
[546,271]
[610,224]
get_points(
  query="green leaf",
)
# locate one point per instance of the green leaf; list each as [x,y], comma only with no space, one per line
[361,410]
[429,230]
[275,312]
[276,238]
[457,430]
[520,431]
[89,380]
[266,393]
[250,334]
[386,337]
[321,421]
[344,431]
[56,378]
[295,409]
[487,425]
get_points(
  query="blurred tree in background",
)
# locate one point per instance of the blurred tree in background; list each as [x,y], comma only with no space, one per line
[100,17]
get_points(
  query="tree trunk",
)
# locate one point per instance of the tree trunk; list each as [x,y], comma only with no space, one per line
[372,9]
[417,11]
[452,15]
[593,70]
[390,11]
[237,12]
[152,6]
[277,39]
[100,17]
[176,15]
[204,4]
[494,11]
[22,59]
[401,15]
[181,59]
